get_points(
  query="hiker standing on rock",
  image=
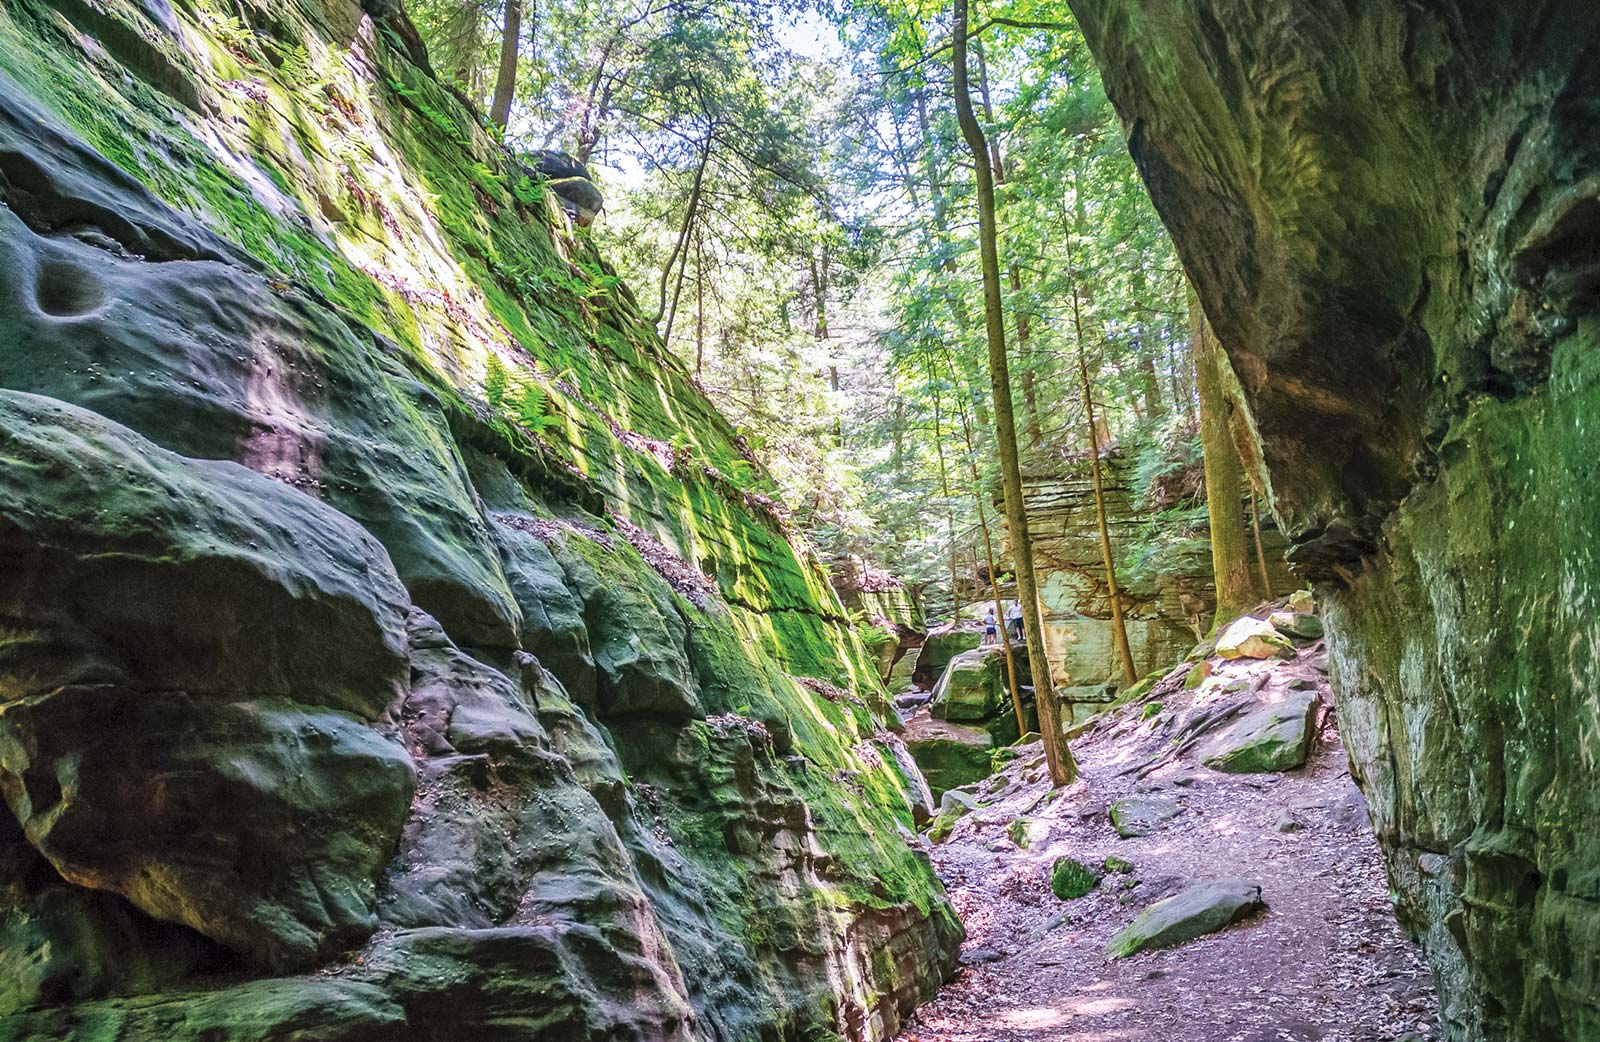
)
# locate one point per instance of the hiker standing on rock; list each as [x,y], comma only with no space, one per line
[990,633]
[1014,620]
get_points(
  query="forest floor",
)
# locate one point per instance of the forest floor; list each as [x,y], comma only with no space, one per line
[1326,962]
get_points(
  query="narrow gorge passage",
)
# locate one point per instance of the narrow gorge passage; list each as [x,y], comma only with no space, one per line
[799,521]
[1324,961]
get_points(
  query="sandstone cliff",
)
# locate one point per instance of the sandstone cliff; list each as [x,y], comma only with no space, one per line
[387,648]
[1390,212]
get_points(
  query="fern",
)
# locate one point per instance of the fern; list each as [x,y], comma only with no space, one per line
[495,383]
[530,407]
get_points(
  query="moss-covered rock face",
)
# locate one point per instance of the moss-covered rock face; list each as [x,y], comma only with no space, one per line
[378,602]
[1390,214]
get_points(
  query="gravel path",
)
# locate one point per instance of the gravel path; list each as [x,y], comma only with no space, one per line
[1326,962]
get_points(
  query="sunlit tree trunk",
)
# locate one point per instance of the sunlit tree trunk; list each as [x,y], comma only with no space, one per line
[505,81]
[699,305]
[994,580]
[1224,477]
[950,515]
[1119,626]
[680,247]
[1057,755]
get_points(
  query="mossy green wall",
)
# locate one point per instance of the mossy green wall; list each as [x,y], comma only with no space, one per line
[263,232]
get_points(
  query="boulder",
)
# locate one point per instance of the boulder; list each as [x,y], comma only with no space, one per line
[184,725]
[973,687]
[950,755]
[1250,637]
[1276,737]
[263,825]
[1140,815]
[1297,625]
[572,184]
[1193,913]
[1071,879]
[1302,601]
[938,648]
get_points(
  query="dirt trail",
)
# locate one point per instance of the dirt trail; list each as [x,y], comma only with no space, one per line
[1326,962]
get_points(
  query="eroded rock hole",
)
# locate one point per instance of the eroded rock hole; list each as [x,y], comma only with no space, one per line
[67,290]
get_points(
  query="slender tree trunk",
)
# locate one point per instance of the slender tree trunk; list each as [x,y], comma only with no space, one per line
[505,81]
[699,305]
[1261,557]
[1119,628]
[941,223]
[1229,565]
[1149,385]
[949,514]
[689,212]
[1057,755]
[899,455]
[994,581]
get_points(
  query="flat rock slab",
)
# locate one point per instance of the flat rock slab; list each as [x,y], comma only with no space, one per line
[1250,637]
[1141,815]
[1195,912]
[1276,737]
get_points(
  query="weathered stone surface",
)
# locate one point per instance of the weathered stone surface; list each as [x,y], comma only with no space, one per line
[888,619]
[1402,274]
[196,638]
[1166,609]
[950,755]
[1298,625]
[1141,815]
[130,566]
[1192,913]
[940,646]
[62,943]
[973,687]
[1250,637]
[503,730]
[1275,737]
[306,1009]
[153,807]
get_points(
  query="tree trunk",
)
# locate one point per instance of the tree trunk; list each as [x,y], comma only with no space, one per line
[699,305]
[680,247]
[994,580]
[1261,557]
[1119,628]
[1224,477]
[505,81]
[1149,385]
[1057,755]
[950,515]
[941,224]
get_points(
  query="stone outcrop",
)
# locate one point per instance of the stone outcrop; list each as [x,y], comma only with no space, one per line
[385,651]
[1166,609]
[1390,214]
